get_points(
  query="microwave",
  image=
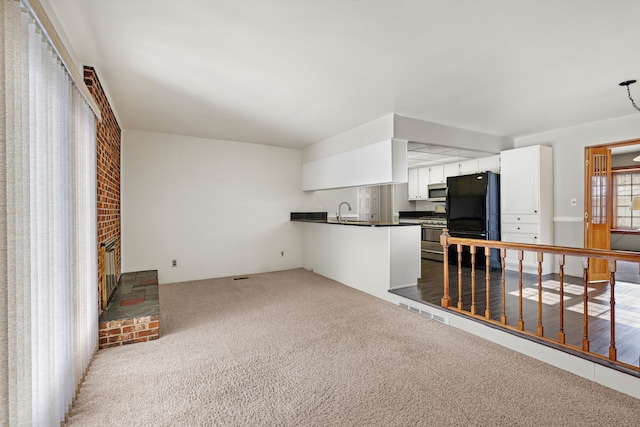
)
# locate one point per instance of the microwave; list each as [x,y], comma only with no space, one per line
[437,192]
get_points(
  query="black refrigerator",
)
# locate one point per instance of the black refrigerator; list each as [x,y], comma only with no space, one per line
[473,211]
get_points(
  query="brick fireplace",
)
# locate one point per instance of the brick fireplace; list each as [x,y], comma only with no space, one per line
[108,139]
[128,303]
[109,279]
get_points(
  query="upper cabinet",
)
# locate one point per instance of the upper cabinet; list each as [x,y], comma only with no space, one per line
[479,165]
[468,167]
[491,163]
[418,181]
[520,176]
[451,169]
[436,174]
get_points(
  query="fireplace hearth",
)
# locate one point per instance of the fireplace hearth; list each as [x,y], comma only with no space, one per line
[109,280]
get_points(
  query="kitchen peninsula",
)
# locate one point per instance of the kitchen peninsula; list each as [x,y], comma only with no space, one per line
[370,256]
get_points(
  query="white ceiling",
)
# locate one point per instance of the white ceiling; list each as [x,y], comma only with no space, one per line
[425,155]
[294,72]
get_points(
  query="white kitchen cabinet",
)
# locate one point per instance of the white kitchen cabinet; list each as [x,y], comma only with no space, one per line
[412,184]
[529,260]
[490,163]
[468,167]
[436,174]
[520,181]
[471,166]
[423,182]
[451,169]
[418,181]
[515,230]
[526,200]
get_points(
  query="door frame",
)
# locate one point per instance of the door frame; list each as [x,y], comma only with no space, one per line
[598,208]
[587,188]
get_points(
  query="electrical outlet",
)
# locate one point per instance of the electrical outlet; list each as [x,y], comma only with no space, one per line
[282,253]
[174,263]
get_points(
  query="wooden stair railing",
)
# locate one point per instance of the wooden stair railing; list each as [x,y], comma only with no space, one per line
[560,252]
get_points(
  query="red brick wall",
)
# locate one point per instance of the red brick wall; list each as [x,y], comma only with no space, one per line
[108,173]
[129,331]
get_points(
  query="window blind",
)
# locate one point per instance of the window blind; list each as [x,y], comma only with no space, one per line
[48,248]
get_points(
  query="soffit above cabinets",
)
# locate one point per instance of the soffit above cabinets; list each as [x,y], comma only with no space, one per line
[424,155]
[384,162]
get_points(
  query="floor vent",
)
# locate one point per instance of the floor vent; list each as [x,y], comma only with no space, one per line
[240,278]
[440,319]
[425,313]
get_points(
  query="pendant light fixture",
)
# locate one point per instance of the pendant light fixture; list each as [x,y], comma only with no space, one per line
[636,201]
[627,84]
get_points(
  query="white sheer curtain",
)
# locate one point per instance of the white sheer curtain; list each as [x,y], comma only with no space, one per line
[48,250]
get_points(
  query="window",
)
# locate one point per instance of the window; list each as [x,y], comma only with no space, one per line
[48,257]
[627,187]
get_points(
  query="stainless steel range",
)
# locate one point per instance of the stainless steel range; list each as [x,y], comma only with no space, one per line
[432,226]
[431,231]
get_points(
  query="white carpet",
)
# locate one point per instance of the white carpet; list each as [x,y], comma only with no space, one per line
[295,349]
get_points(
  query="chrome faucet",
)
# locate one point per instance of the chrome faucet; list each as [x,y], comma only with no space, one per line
[340,210]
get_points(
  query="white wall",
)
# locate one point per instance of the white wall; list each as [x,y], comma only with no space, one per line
[220,208]
[401,198]
[568,172]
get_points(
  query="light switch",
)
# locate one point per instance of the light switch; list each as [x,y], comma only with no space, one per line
[574,202]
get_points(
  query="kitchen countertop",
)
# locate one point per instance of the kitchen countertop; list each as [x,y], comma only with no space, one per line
[321,218]
[358,223]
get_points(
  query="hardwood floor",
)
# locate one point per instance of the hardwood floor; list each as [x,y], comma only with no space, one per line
[627,308]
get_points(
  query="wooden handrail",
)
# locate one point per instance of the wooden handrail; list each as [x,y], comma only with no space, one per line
[585,304]
[612,255]
[561,335]
[612,307]
[458,245]
[444,241]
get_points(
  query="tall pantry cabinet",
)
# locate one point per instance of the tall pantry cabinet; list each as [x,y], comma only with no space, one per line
[526,203]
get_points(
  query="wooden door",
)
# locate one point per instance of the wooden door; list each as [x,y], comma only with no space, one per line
[598,201]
